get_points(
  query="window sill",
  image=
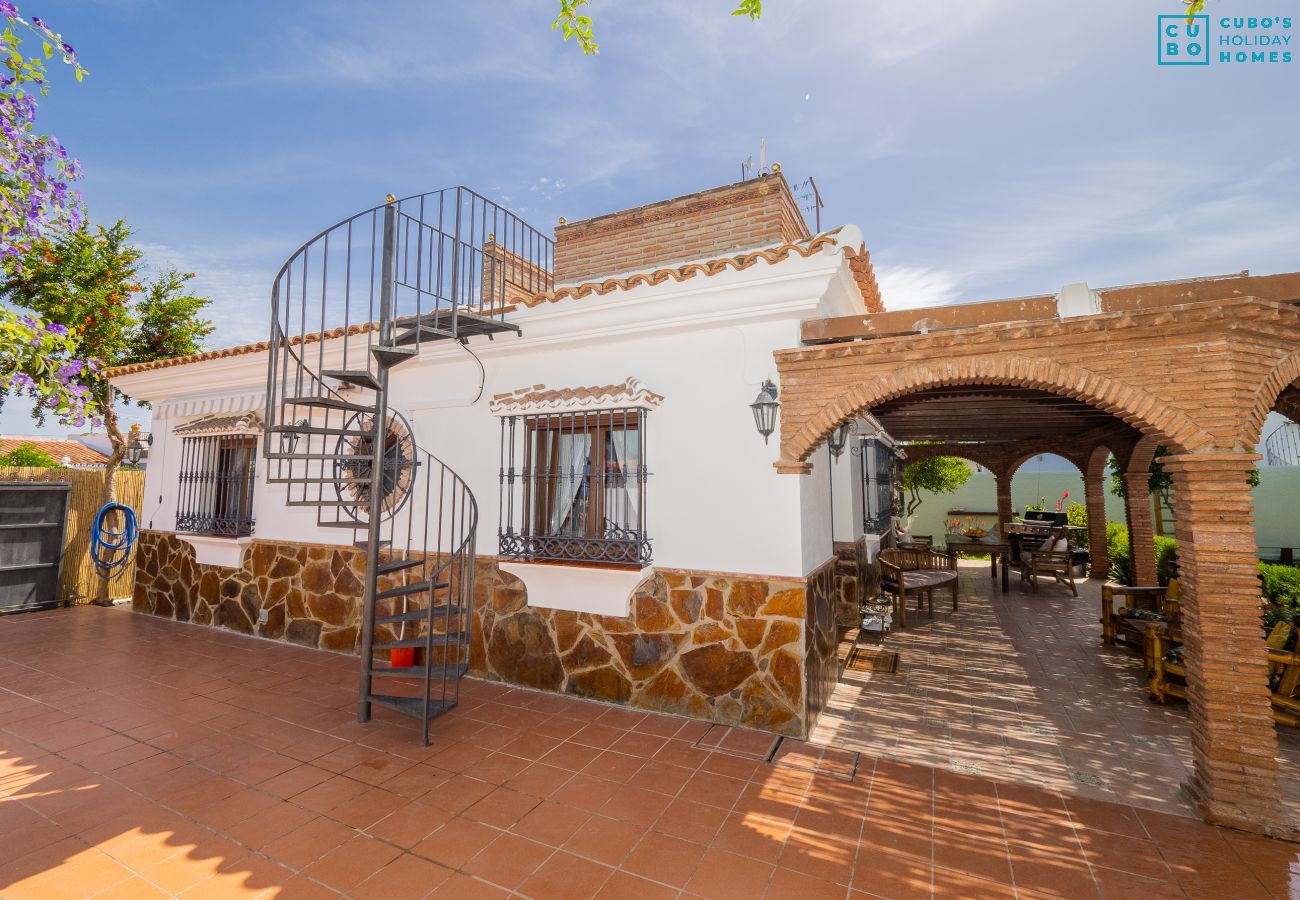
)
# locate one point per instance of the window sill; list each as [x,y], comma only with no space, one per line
[598,589]
[210,550]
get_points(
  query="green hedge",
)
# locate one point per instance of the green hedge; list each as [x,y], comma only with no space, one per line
[1281,586]
[1121,562]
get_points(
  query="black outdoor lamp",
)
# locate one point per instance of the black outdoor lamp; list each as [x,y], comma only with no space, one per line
[133,451]
[289,439]
[838,439]
[764,408]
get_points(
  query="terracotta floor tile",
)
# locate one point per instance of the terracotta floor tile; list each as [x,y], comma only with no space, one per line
[605,840]
[622,886]
[787,883]
[405,877]
[1116,885]
[366,809]
[755,835]
[713,789]
[539,780]
[502,808]
[551,823]
[602,737]
[416,781]
[507,860]
[456,842]
[135,888]
[730,876]
[954,885]
[585,792]
[346,866]
[664,859]
[629,804]
[463,887]
[1114,851]
[1097,815]
[614,766]
[661,777]
[691,821]
[1052,875]
[884,874]
[307,843]
[566,877]
[329,794]
[410,824]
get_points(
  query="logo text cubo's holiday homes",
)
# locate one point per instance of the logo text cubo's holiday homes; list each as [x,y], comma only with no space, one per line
[1226,40]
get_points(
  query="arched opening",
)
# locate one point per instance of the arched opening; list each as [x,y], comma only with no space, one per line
[1018,685]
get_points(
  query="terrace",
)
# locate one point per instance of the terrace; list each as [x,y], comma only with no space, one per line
[144,757]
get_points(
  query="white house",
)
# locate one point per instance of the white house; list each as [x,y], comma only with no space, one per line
[632,541]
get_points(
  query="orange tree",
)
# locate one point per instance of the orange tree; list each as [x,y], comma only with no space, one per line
[90,281]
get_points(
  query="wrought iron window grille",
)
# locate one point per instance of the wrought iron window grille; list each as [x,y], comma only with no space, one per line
[573,487]
[879,474]
[216,485]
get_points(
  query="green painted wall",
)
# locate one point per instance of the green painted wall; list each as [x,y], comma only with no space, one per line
[1277,503]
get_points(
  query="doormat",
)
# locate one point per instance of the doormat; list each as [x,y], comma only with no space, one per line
[871,659]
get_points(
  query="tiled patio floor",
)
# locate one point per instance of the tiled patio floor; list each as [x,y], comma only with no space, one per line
[1018,687]
[141,758]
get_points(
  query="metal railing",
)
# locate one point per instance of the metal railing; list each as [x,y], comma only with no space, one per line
[1282,446]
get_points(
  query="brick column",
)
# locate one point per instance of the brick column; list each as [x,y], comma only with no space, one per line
[1234,741]
[1094,496]
[1141,532]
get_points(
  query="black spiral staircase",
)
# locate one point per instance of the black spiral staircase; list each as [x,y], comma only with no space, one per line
[352,304]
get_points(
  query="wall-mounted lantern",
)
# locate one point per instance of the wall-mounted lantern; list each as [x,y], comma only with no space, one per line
[765,408]
[839,439]
[289,439]
[133,450]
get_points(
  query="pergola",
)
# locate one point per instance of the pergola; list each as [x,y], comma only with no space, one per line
[1194,366]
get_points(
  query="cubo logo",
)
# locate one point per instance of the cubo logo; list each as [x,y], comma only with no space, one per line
[1184,41]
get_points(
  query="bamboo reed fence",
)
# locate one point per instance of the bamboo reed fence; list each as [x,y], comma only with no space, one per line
[79,581]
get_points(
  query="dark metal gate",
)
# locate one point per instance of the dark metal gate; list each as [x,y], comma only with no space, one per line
[33,518]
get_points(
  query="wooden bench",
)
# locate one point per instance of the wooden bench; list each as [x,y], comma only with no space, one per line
[916,571]
[1129,612]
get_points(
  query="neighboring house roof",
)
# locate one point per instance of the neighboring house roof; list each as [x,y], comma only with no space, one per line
[859,262]
[78,454]
[539,399]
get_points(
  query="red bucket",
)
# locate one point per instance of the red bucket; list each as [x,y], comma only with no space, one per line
[402,657]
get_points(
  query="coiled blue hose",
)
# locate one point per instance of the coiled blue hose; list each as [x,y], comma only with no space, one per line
[111,550]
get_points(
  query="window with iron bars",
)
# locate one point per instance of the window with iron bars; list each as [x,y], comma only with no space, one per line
[573,487]
[216,485]
[879,468]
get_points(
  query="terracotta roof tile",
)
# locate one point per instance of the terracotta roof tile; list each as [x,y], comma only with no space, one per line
[78,453]
[539,398]
[859,260]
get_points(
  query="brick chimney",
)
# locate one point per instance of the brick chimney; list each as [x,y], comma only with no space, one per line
[721,221]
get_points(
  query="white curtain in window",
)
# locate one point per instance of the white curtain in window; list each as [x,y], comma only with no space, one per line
[572,457]
[623,449]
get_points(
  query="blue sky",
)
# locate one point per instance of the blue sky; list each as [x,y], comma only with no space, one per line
[988,148]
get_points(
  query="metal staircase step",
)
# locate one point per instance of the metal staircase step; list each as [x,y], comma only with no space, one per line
[317,479]
[397,565]
[381,544]
[353,525]
[435,640]
[273,454]
[360,377]
[392,356]
[417,615]
[415,587]
[453,671]
[329,403]
[412,706]
[322,503]
[422,334]
[320,429]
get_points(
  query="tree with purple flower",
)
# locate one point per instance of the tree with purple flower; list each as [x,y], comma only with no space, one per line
[35,169]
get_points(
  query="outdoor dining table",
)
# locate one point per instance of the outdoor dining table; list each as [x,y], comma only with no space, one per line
[999,555]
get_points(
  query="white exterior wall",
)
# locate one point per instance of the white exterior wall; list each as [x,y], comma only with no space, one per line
[714,501]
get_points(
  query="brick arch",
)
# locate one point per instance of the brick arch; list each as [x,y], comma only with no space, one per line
[1135,407]
[1283,375]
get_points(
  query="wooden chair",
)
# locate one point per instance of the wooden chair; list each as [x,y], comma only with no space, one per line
[918,572]
[1168,671]
[1128,613]
[1284,673]
[1059,564]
